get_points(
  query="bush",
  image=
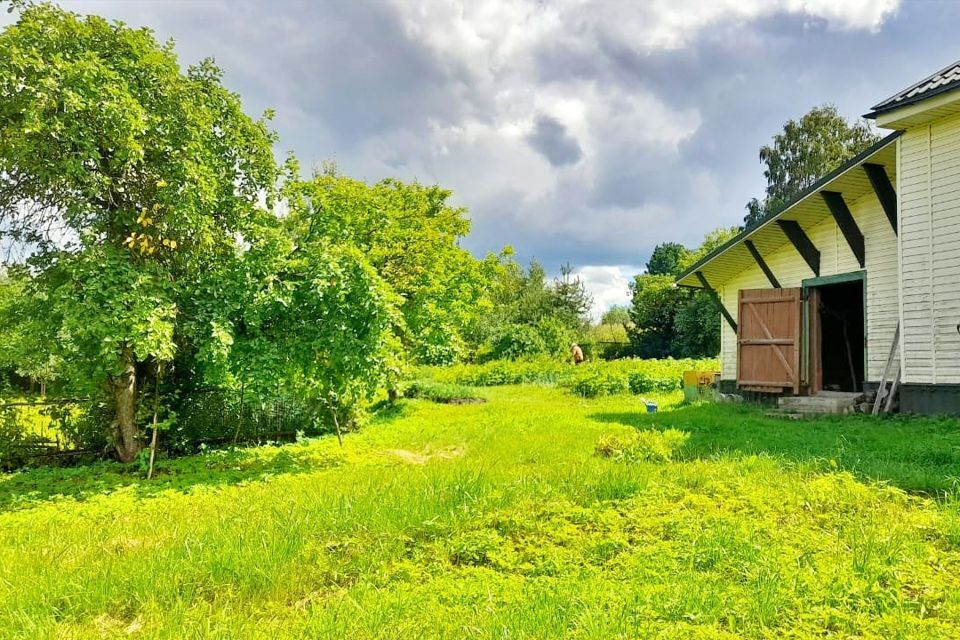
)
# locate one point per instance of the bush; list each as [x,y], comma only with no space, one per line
[30,430]
[600,383]
[518,341]
[438,391]
[642,446]
[591,379]
[216,416]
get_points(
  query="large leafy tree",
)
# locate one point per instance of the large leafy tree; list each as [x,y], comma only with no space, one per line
[410,235]
[802,152]
[128,179]
[666,259]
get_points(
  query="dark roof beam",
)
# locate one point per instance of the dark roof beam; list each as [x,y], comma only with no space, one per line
[761,263]
[802,243]
[848,226]
[716,298]
[886,194]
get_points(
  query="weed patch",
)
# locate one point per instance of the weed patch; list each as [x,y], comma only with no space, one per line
[642,446]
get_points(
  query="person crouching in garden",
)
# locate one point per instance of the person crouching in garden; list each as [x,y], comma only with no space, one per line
[577,353]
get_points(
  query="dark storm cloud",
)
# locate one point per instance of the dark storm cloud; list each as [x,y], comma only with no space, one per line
[551,138]
[575,133]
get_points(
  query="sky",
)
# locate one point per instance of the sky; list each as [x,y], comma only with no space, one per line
[576,132]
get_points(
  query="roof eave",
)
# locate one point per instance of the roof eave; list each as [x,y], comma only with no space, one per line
[806,193]
[883,110]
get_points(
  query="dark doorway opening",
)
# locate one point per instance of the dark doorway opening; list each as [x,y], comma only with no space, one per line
[842,336]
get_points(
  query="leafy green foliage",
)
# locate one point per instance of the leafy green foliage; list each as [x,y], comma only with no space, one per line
[591,379]
[806,150]
[530,314]
[128,179]
[616,315]
[30,426]
[672,321]
[667,259]
[439,391]
[410,236]
[654,305]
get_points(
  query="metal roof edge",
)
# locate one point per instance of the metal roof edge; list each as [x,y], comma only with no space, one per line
[933,93]
[812,189]
[885,105]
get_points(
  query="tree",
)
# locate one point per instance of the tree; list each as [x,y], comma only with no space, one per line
[669,320]
[803,152]
[531,314]
[129,179]
[666,259]
[410,235]
[617,314]
[572,301]
[654,305]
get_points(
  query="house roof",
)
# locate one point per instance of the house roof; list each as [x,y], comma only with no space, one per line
[947,79]
[733,257]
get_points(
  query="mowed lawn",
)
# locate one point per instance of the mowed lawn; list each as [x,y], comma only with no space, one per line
[499,521]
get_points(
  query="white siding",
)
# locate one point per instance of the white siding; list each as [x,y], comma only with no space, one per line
[930,246]
[835,258]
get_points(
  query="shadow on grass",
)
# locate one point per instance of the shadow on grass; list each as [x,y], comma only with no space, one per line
[920,455]
[220,467]
[217,467]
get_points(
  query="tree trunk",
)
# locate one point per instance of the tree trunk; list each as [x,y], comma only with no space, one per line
[124,388]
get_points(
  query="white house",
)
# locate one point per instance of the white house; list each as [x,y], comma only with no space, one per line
[815,296]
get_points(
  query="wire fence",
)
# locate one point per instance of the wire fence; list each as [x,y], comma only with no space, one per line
[47,430]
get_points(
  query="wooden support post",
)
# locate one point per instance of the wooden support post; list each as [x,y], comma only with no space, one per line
[761,263]
[716,298]
[801,242]
[886,194]
[848,226]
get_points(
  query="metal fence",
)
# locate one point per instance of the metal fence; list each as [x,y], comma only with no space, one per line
[61,429]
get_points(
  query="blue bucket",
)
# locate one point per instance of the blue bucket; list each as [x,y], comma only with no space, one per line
[651,406]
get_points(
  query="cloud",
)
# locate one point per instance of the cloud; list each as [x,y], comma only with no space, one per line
[609,286]
[551,138]
[576,131]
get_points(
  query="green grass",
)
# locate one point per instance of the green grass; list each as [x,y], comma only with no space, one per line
[501,520]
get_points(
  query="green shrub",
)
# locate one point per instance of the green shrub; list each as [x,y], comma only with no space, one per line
[600,383]
[438,391]
[518,341]
[28,430]
[591,379]
[642,446]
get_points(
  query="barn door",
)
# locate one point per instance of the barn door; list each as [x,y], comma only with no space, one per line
[768,339]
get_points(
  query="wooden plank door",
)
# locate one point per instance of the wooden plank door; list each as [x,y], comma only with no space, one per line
[768,339]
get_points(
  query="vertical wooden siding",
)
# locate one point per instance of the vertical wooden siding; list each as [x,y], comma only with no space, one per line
[930,245]
[882,282]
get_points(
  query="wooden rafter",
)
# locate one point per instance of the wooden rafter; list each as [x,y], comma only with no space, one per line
[716,298]
[886,194]
[848,226]
[762,263]
[802,243]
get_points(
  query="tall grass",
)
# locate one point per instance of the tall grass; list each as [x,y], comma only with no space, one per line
[500,521]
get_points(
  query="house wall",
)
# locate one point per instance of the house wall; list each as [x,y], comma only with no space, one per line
[929,203]
[882,280]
